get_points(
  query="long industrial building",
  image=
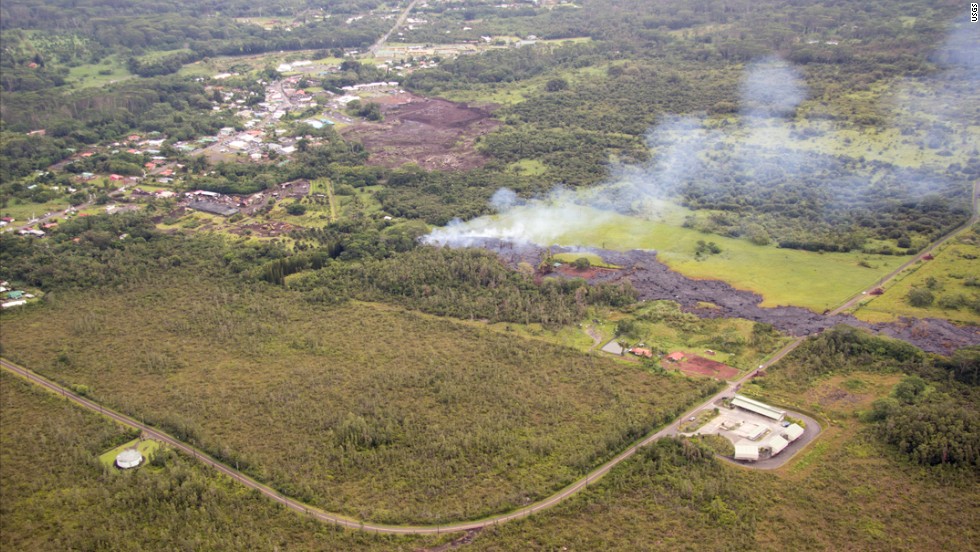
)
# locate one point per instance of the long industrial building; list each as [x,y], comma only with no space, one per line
[760,408]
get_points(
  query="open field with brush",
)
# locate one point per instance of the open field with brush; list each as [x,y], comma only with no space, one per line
[57,496]
[951,279]
[360,408]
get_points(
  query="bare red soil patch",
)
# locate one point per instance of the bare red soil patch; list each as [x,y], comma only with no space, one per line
[434,133]
[695,365]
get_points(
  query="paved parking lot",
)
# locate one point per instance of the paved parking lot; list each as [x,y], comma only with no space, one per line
[743,427]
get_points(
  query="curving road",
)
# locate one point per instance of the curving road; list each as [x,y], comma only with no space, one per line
[591,477]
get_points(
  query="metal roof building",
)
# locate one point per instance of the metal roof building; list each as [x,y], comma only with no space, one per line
[747,452]
[777,444]
[793,432]
[213,208]
[760,408]
[129,458]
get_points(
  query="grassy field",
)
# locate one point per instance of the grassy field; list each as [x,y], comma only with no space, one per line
[782,276]
[54,494]
[148,448]
[109,70]
[957,261]
[594,260]
[21,212]
[221,64]
[362,409]
[528,167]
[513,93]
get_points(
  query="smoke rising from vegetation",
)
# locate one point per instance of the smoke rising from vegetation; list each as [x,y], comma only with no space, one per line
[772,88]
[767,175]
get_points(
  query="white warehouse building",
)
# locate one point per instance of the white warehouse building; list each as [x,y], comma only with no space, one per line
[758,407]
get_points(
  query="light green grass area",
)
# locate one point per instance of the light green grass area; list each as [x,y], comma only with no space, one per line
[816,281]
[887,145]
[21,212]
[109,70]
[664,328]
[197,69]
[594,260]
[501,94]
[513,93]
[701,418]
[223,64]
[91,211]
[567,336]
[953,265]
[528,167]
[576,40]
[268,23]
[146,447]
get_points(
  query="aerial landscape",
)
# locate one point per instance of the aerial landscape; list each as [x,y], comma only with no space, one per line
[435,275]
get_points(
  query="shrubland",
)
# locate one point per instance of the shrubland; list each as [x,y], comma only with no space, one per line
[56,494]
[360,408]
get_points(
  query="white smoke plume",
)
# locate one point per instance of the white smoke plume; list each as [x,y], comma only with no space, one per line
[772,88]
[684,147]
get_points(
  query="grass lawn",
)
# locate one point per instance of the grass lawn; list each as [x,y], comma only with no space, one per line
[89,75]
[528,167]
[594,260]
[701,418]
[958,260]
[782,276]
[568,336]
[662,326]
[23,211]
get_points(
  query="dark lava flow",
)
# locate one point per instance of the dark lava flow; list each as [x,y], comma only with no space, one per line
[655,281]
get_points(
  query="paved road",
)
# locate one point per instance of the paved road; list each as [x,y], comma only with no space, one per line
[890,276]
[338,519]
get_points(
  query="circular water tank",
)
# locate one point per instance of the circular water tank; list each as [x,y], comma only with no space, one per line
[129,458]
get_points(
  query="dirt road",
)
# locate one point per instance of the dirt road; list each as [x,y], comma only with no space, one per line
[398,23]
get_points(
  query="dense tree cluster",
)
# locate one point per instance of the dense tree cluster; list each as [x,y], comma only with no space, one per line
[469,284]
[931,427]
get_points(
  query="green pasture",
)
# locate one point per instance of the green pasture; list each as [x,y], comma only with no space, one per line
[109,70]
[22,211]
[594,260]
[816,281]
[948,272]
